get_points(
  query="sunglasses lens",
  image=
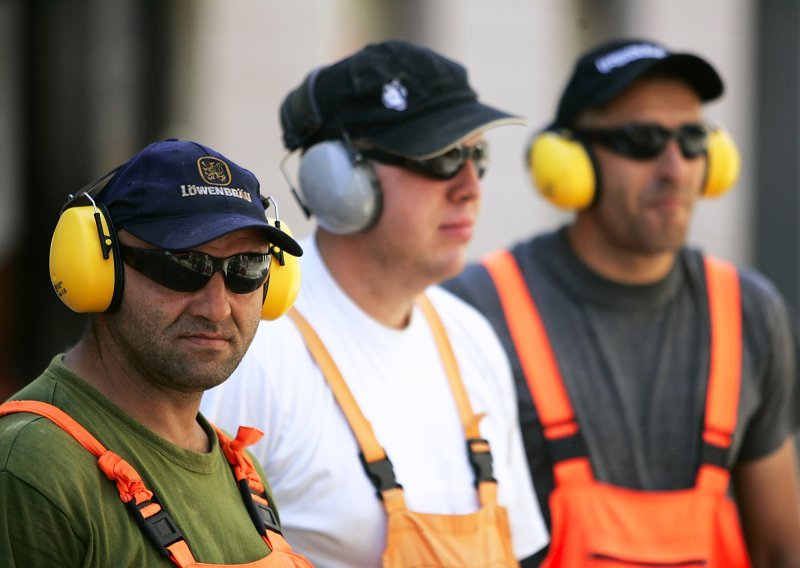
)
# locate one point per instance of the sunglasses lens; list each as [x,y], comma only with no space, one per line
[647,141]
[693,139]
[188,271]
[643,141]
[246,273]
[450,163]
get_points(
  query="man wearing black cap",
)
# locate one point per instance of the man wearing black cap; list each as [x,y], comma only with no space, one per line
[392,151]
[104,458]
[648,373]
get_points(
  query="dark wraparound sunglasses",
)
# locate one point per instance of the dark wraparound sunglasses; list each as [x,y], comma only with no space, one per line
[443,166]
[189,271]
[646,141]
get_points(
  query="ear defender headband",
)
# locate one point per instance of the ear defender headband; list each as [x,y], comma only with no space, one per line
[339,187]
[563,169]
[87,272]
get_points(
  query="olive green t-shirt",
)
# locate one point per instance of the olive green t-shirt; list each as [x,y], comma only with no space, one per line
[57,508]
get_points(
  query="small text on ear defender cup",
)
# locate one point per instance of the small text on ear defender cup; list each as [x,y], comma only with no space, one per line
[81,277]
[561,170]
[284,283]
[724,163]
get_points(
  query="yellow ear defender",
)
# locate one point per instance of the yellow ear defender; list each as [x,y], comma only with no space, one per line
[84,259]
[724,163]
[284,280]
[562,169]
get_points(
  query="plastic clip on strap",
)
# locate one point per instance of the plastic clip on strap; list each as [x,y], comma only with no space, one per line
[481,460]
[381,474]
[154,521]
[250,486]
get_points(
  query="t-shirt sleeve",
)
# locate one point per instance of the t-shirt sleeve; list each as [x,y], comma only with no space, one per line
[772,345]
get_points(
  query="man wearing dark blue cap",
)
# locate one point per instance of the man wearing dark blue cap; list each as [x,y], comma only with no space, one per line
[649,374]
[104,458]
[390,464]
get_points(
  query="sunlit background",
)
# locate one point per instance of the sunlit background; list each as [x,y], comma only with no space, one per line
[85,84]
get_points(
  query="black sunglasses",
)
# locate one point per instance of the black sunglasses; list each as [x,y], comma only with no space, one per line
[190,270]
[646,141]
[443,166]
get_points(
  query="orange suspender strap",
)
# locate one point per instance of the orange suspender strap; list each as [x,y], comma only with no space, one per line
[540,367]
[156,523]
[724,378]
[376,463]
[478,449]
[252,489]
[547,389]
[378,466]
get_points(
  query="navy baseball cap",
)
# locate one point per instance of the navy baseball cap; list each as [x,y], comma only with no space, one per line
[607,70]
[179,194]
[403,98]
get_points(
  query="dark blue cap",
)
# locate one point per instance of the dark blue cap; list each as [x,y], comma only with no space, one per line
[179,194]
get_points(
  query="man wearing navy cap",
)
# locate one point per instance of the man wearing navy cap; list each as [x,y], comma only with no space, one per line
[104,458]
[390,464]
[652,378]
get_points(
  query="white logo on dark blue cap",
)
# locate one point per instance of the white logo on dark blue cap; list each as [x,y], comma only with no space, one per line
[627,54]
[394,95]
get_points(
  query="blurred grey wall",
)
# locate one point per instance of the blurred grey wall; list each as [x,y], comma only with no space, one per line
[89,82]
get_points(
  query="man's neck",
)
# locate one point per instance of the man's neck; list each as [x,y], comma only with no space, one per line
[173,415]
[622,266]
[385,296]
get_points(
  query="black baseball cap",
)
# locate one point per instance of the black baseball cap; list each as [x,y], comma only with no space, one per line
[404,99]
[179,194]
[607,70]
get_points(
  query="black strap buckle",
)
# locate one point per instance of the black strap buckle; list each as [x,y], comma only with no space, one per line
[480,460]
[160,529]
[381,474]
[262,515]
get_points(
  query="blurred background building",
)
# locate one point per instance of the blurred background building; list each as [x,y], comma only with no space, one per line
[87,83]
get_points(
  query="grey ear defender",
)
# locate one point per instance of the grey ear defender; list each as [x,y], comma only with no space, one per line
[339,188]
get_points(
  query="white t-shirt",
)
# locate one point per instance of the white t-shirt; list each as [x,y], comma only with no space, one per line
[328,507]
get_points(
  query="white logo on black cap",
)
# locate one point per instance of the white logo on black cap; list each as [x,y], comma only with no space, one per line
[394,95]
[628,54]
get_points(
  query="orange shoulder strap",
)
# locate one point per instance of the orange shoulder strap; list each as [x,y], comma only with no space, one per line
[154,521]
[539,364]
[376,462]
[541,371]
[724,376]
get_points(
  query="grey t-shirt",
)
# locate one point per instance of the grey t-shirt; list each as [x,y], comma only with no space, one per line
[634,359]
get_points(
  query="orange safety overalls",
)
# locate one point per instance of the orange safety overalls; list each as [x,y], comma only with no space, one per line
[145,507]
[596,524]
[416,540]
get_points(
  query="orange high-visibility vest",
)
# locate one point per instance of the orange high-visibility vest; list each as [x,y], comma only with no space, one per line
[145,507]
[597,524]
[422,540]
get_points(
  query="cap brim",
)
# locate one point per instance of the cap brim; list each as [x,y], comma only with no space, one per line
[190,232]
[700,75]
[431,134]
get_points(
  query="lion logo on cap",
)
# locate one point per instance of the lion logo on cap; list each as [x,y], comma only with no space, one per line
[394,95]
[214,171]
